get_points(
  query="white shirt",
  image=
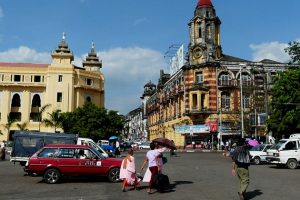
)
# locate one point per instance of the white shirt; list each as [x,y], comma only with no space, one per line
[152,155]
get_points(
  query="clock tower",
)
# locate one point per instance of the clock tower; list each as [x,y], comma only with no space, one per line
[204,30]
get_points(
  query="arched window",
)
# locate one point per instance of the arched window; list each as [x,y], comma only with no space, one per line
[246,79]
[200,32]
[207,14]
[225,100]
[208,31]
[36,101]
[224,79]
[16,101]
[246,101]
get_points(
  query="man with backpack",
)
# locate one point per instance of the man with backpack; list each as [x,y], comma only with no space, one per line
[240,165]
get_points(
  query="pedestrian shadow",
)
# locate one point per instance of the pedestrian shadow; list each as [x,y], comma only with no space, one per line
[253,194]
[173,185]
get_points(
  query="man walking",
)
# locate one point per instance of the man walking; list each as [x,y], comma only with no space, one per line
[240,165]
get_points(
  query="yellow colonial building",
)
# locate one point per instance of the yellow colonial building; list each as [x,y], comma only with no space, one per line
[25,88]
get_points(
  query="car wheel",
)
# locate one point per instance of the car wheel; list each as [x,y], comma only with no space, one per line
[114,175]
[256,160]
[52,176]
[292,164]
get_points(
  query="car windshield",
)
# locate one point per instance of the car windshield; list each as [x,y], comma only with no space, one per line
[278,145]
[257,148]
[95,151]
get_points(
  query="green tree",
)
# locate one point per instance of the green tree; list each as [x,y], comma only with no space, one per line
[9,123]
[285,104]
[294,51]
[41,112]
[92,122]
[55,119]
[22,127]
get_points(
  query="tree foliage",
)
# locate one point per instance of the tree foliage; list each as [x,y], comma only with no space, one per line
[92,122]
[294,51]
[285,104]
[54,120]
[41,112]
[22,126]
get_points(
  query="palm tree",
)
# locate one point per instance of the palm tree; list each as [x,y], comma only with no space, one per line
[41,112]
[23,126]
[55,119]
[9,123]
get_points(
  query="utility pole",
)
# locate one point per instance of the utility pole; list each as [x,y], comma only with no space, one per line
[242,102]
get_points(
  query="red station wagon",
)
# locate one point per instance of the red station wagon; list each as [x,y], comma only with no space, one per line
[56,160]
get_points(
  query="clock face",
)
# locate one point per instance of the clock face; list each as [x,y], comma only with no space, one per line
[197,52]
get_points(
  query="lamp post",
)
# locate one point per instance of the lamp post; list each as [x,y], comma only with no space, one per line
[242,102]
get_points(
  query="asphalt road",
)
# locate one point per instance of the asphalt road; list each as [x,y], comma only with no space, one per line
[201,176]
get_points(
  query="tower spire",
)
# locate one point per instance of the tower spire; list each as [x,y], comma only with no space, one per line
[63,36]
[62,52]
[93,47]
[92,61]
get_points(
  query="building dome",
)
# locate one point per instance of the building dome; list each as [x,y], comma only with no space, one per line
[204,3]
[150,85]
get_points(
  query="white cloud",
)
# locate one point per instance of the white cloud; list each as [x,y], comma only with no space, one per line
[140,21]
[126,71]
[272,50]
[24,54]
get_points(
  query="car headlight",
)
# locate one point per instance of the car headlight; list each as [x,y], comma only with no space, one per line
[276,154]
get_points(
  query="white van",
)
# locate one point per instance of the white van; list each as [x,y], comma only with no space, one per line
[295,136]
[90,142]
[285,152]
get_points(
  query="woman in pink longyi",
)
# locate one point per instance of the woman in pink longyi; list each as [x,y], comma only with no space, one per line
[128,173]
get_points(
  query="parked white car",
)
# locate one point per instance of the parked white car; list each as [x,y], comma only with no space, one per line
[285,152]
[144,146]
[259,153]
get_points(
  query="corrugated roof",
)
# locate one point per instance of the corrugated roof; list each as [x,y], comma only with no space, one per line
[268,61]
[232,58]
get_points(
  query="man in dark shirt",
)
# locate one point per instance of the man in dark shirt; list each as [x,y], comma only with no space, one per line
[240,165]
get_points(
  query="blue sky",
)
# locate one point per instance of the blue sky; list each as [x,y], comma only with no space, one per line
[132,36]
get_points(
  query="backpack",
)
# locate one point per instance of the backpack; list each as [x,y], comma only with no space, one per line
[161,182]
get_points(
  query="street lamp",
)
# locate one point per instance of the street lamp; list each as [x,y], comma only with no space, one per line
[242,102]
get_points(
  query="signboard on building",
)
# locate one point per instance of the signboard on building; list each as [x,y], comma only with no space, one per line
[188,129]
[180,56]
[177,61]
[213,126]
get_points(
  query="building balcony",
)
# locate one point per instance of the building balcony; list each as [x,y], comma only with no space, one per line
[34,116]
[15,116]
[196,111]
